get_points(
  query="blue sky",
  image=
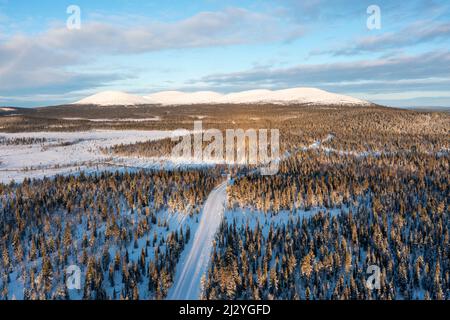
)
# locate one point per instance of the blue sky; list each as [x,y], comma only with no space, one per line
[147,46]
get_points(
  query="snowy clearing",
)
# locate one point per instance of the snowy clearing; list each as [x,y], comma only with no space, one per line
[66,152]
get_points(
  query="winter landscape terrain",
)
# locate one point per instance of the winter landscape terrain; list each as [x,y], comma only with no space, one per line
[224,158]
[93,186]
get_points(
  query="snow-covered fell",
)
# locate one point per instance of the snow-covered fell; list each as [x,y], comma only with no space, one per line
[313,96]
[295,95]
[113,98]
[178,97]
[251,96]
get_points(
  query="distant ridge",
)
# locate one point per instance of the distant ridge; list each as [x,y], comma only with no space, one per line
[287,96]
[7,109]
[113,98]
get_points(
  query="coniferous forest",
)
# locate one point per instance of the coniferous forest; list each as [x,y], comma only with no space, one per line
[390,211]
[124,230]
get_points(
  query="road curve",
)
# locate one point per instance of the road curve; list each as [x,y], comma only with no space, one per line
[192,267]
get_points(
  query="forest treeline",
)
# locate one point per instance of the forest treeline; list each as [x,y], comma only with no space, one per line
[21,141]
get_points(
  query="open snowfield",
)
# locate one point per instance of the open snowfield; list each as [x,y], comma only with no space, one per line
[67,152]
[72,152]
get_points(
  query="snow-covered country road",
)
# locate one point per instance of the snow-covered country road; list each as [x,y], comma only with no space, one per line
[194,261]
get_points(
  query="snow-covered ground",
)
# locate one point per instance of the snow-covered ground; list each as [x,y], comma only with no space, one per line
[71,152]
[68,152]
[196,256]
[177,97]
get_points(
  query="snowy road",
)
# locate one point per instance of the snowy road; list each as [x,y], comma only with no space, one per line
[194,261]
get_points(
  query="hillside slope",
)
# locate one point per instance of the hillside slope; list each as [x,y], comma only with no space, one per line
[167,98]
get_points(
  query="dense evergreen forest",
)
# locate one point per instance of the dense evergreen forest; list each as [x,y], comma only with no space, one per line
[394,213]
[118,227]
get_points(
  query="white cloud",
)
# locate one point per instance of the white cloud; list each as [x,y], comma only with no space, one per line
[205,29]
[416,33]
[404,95]
[389,74]
[30,62]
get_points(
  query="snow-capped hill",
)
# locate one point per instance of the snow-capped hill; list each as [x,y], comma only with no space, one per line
[167,98]
[202,97]
[295,95]
[313,96]
[113,98]
[178,97]
[7,109]
[251,96]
